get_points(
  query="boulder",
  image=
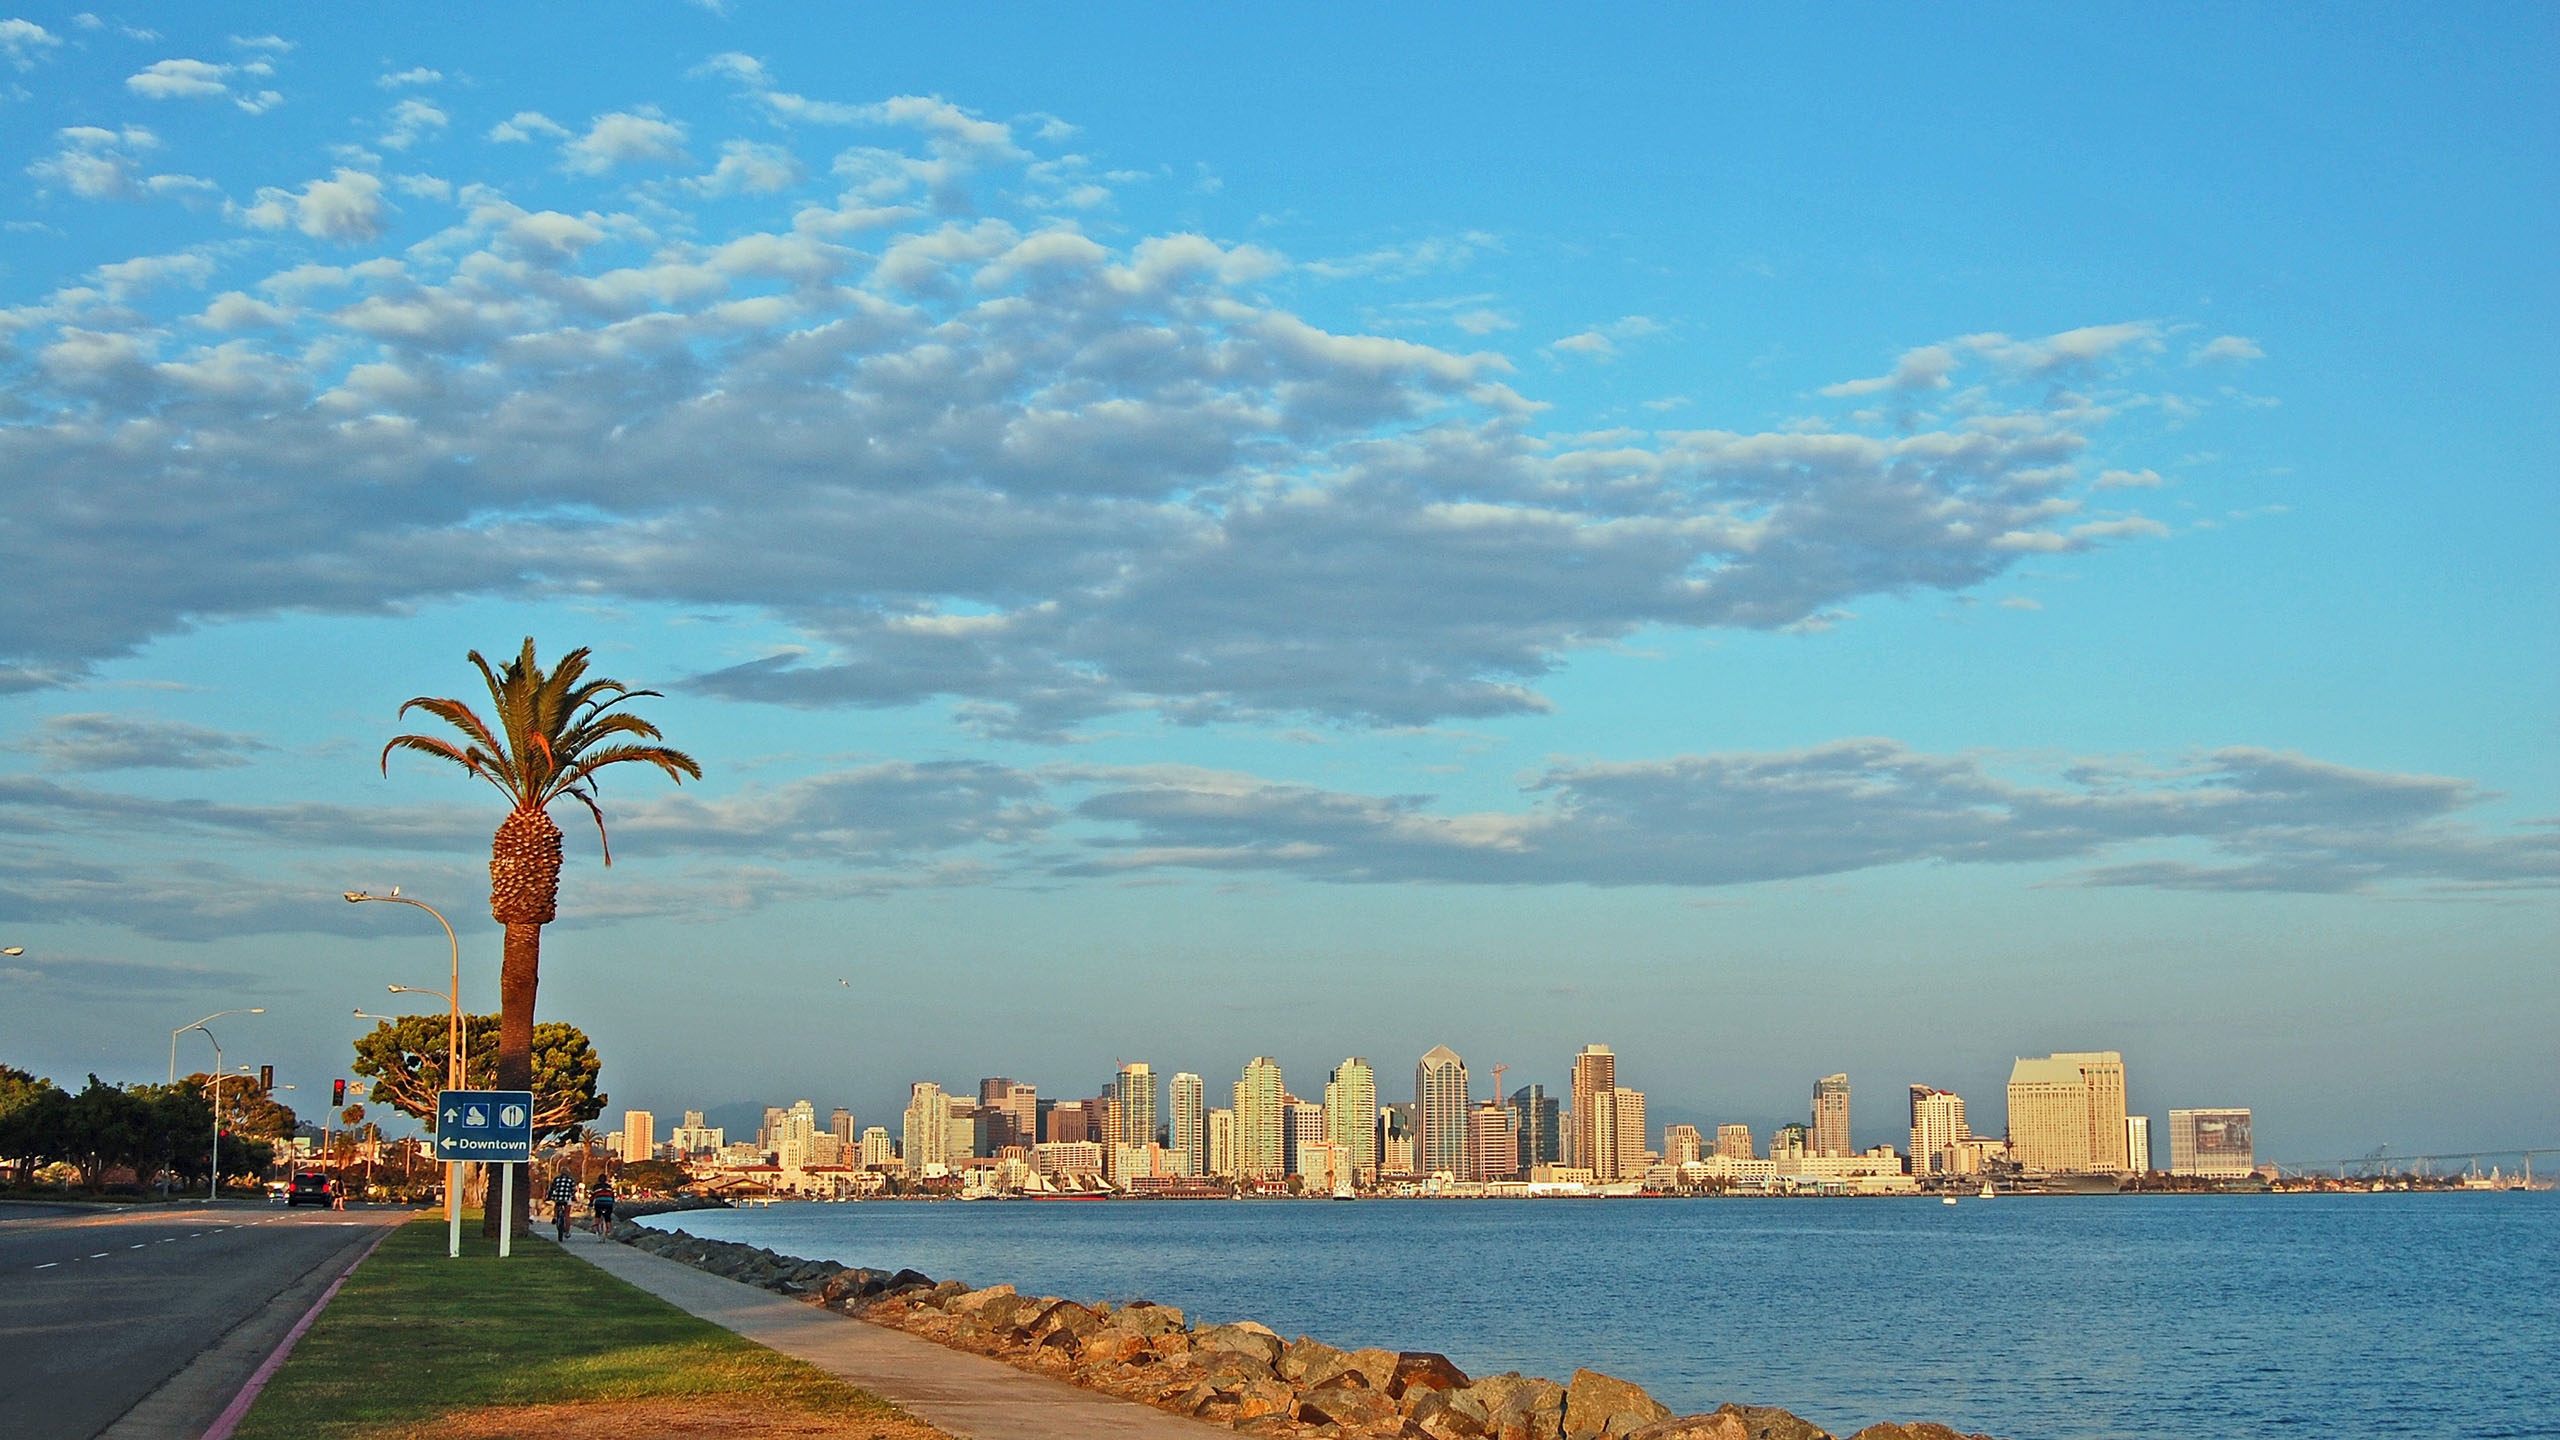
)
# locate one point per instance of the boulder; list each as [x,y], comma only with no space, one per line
[1302,1358]
[972,1301]
[1423,1370]
[1243,1338]
[1378,1366]
[1768,1422]
[905,1278]
[1439,1417]
[1516,1406]
[1918,1430]
[1603,1407]
[1722,1425]
[1145,1317]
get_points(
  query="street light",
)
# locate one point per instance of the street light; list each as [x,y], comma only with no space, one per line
[455,1052]
[199,1025]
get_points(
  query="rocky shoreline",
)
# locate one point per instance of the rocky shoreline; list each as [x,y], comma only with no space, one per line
[1241,1374]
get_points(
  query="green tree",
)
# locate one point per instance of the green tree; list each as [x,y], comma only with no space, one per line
[405,1060]
[660,1176]
[34,1120]
[554,733]
[107,1126]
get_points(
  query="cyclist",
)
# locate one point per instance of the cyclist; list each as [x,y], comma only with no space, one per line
[600,1200]
[564,1199]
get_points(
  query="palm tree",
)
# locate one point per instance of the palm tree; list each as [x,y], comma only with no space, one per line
[554,733]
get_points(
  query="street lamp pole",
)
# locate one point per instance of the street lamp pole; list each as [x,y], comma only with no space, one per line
[183,1029]
[455,1053]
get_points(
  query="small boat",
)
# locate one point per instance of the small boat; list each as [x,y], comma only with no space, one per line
[1987,1191]
[1946,1199]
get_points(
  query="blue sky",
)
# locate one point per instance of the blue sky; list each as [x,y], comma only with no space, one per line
[1780,545]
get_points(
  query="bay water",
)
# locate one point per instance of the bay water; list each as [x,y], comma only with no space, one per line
[2142,1317]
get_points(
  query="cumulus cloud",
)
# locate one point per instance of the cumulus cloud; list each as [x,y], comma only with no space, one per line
[131,742]
[418,76]
[1601,341]
[990,461]
[347,208]
[524,126]
[95,163]
[624,138]
[411,121]
[2226,347]
[183,79]
[1926,368]
[24,42]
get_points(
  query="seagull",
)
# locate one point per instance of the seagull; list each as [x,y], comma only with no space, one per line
[846,984]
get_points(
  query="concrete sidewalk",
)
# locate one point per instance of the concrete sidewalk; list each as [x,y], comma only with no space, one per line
[968,1396]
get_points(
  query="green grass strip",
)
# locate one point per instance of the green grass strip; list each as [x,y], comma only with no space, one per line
[414,1334]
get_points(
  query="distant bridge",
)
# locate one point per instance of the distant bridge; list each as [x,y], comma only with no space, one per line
[2381,1161]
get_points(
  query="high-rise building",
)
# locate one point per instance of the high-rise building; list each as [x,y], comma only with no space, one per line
[1013,1112]
[795,1137]
[1133,1097]
[1067,1125]
[1937,1123]
[1733,1142]
[1791,1142]
[1305,1127]
[876,1149]
[1190,1116]
[1395,1139]
[1261,1140]
[840,1125]
[1220,1131]
[1351,1115]
[1493,1142]
[926,1134]
[1629,1108]
[1682,1144]
[694,1137]
[1595,1118]
[2212,1144]
[1537,1117]
[2137,1143]
[1440,1113]
[2066,1113]
[639,1135]
[1831,1115]
[963,1126]
[771,1129]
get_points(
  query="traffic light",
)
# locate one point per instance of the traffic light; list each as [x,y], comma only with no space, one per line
[267,1078]
[337,1092]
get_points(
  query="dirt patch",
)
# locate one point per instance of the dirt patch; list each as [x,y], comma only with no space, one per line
[667,1419]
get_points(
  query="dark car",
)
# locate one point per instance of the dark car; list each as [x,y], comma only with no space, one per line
[311,1188]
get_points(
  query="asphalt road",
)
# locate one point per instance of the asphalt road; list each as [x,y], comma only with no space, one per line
[98,1310]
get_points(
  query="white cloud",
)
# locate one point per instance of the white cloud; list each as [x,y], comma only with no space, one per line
[128,742]
[623,138]
[126,279]
[749,168]
[347,208]
[2020,602]
[2129,480]
[180,80]
[2226,347]
[411,121]
[271,44]
[524,126]
[1601,341]
[1926,368]
[24,43]
[2065,352]
[419,76]
[95,163]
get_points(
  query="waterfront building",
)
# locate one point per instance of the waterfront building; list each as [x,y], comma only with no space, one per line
[2067,1113]
[1538,1118]
[1682,1144]
[1133,1098]
[1395,1139]
[2211,1144]
[1633,1154]
[1260,1122]
[1073,1157]
[1595,1117]
[1733,1142]
[877,1151]
[1493,1142]
[1790,1143]
[1303,1125]
[967,1134]
[639,1135]
[926,1134]
[1325,1168]
[1013,1112]
[1190,1115]
[1351,1115]
[694,1138]
[771,1128]
[795,1137]
[840,1125]
[1831,1115]
[1440,1112]
[1937,1123]
[2137,1143]
[1219,1133]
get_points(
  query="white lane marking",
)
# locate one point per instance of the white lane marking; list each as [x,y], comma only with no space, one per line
[49,1264]
[101,1255]
[133,1247]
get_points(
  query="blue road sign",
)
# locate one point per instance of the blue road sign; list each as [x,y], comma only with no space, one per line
[484,1125]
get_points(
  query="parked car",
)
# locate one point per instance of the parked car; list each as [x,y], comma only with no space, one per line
[311,1188]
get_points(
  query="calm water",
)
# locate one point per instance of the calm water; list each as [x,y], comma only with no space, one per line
[2349,1315]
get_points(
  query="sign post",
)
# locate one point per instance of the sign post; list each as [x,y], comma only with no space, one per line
[492,1126]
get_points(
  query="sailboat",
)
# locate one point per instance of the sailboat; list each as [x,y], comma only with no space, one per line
[1987,1191]
[1946,1199]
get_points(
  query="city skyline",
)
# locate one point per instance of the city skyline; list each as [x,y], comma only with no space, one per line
[1720,566]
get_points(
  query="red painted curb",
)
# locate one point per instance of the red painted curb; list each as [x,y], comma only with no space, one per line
[238,1410]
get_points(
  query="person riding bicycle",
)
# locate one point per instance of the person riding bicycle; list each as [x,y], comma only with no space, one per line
[600,1200]
[564,1199]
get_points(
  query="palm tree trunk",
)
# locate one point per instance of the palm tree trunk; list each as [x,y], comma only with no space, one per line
[519,974]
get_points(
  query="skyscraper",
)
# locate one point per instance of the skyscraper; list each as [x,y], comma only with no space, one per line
[1629,1108]
[840,1125]
[1595,1111]
[1682,1144]
[1493,1142]
[1937,1121]
[2067,1112]
[1538,1115]
[1351,1114]
[876,1149]
[1831,1115]
[1260,1143]
[2137,1143]
[1733,1142]
[926,1133]
[1133,1098]
[639,1135]
[1221,1135]
[1013,1112]
[1190,1117]
[1440,1112]
[1303,1131]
